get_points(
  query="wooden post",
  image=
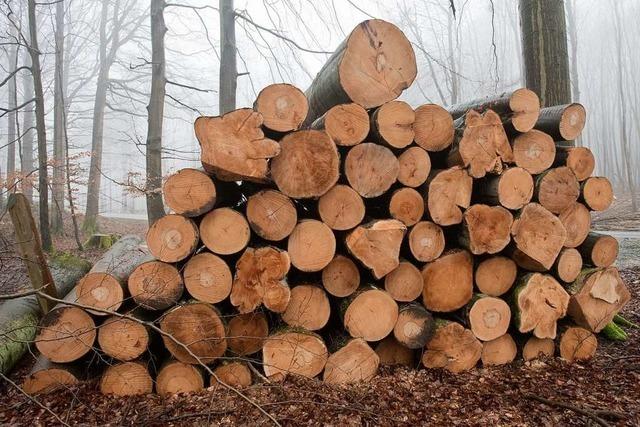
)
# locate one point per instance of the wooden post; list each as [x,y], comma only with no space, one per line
[31,249]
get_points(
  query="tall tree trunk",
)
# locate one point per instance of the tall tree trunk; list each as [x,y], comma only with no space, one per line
[43,177]
[228,68]
[59,153]
[26,159]
[544,46]
[573,43]
[11,122]
[155,109]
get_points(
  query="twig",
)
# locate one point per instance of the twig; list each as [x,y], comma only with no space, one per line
[589,413]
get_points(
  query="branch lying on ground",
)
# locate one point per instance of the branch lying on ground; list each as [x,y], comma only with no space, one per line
[593,414]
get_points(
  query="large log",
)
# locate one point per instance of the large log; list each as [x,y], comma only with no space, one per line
[341,277]
[299,353]
[447,192]
[189,192]
[311,245]
[123,339]
[354,362]
[207,277]
[596,193]
[307,166]
[415,166]
[66,333]
[155,285]
[271,215]
[534,151]
[47,377]
[370,314]
[448,281]
[377,245]
[246,333]
[371,169]
[346,124]
[283,107]
[480,144]
[392,124]
[126,379]
[452,347]
[513,189]
[341,208]
[433,127]
[599,250]
[562,122]
[579,159]
[308,308]
[557,189]
[233,146]
[488,317]
[372,66]
[177,377]
[225,231]
[172,238]
[486,229]
[19,317]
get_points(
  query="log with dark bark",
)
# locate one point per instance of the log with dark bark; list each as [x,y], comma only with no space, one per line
[189,192]
[247,332]
[597,295]
[557,189]
[283,107]
[126,379]
[448,281]
[486,229]
[354,362]
[495,275]
[480,144]
[47,377]
[596,193]
[415,166]
[452,347]
[299,353]
[538,302]
[562,122]
[307,166]
[513,189]
[225,231]
[65,334]
[576,219]
[499,351]
[414,327]
[308,308]
[488,317]
[207,277]
[519,109]
[377,245]
[447,192]
[123,339]
[426,241]
[234,374]
[579,159]
[392,124]
[404,283]
[341,208]
[156,285]
[536,348]
[568,265]
[177,377]
[391,353]
[599,250]
[233,145]
[259,279]
[371,169]
[172,238]
[433,127]
[311,245]
[341,277]
[346,124]
[373,65]
[370,314]
[534,151]
[577,344]
[271,214]
[406,205]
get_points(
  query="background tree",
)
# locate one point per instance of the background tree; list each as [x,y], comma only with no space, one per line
[59,152]
[228,50]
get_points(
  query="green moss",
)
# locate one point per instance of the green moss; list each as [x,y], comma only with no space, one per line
[15,337]
[67,260]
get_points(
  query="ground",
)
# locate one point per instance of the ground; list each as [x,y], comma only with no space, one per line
[505,395]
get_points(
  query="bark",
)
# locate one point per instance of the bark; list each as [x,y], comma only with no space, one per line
[228,69]
[11,124]
[28,126]
[59,151]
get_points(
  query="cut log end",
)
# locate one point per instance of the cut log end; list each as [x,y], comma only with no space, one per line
[392,124]
[298,353]
[234,374]
[515,188]
[346,124]
[535,348]
[495,275]
[415,326]
[371,169]
[247,333]
[426,241]
[448,192]
[207,277]
[311,245]
[155,285]
[433,127]
[308,308]
[415,166]
[525,107]
[189,192]
[65,334]
[557,189]
[453,348]
[49,380]
[172,238]
[404,284]
[568,265]
[100,290]
[177,377]
[486,229]
[126,379]
[123,339]
[599,250]
[577,344]
[354,362]
[579,159]
[225,231]
[271,215]
[377,245]
[572,121]
[534,151]
[539,302]
[448,281]
[499,351]
[597,193]
[283,107]
[407,206]
[341,277]
[538,234]
[576,219]
[371,315]
[341,208]
[489,318]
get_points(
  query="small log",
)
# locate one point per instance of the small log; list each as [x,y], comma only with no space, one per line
[568,265]
[518,109]
[234,374]
[414,327]
[247,332]
[538,234]
[308,308]
[596,193]
[488,317]
[562,122]
[371,169]
[47,377]
[311,245]
[307,166]
[377,245]
[486,229]
[259,279]
[172,238]
[579,159]
[189,192]
[578,344]
[557,189]
[126,379]
[176,377]
[341,277]
[480,144]
[199,327]
[426,241]
[271,215]
[283,107]
[576,219]
[597,295]
[415,166]
[599,250]
[233,145]
[370,314]
[123,339]
[373,65]
[538,302]
[65,334]
[341,208]
[404,284]
[406,205]
[534,151]
[447,192]
[513,189]
[354,362]
[433,127]
[392,124]
[155,285]
[535,348]
[391,353]
[346,124]
[452,347]
[448,281]
[207,277]
[499,351]
[495,275]
[225,231]
[297,353]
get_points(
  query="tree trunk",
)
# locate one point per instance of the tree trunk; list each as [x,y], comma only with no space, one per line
[576,219]
[544,47]
[488,317]
[228,69]
[536,347]
[155,110]
[47,377]
[66,333]
[512,189]
[123,339]
[234,374]
[59,151]
[562,122]
[579,159]
[155,285]
[534,151]
[28,126]
[568,265]
[43,177]
[391,352]
[415,166]
[404,283]
[224,231]
[272,215]
[377,245]
[426,241]
[12,115]
[406,205]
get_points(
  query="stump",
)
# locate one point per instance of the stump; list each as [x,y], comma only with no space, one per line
[172,238]
[283,107]
[341,277]
[495,275]
[155,285]
[371,169]
[433,127]
[271,215]
[377,245]
[452,347]
[346,124]
[354,362]
[448,281]
[189,192]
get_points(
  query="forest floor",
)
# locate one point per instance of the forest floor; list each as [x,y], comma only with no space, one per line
[606,387]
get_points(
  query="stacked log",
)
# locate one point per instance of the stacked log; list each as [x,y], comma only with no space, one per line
[339,229]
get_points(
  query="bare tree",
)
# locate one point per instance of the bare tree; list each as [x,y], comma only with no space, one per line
[28,126]
[12,115]
[59,152]
[228,68]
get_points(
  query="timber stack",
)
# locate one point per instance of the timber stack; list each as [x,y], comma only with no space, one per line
[334,230]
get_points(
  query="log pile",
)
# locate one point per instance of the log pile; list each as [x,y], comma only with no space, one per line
[339,229]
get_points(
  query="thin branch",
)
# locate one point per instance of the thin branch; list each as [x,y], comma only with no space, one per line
[9,110]
[13,73]
[171,82]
